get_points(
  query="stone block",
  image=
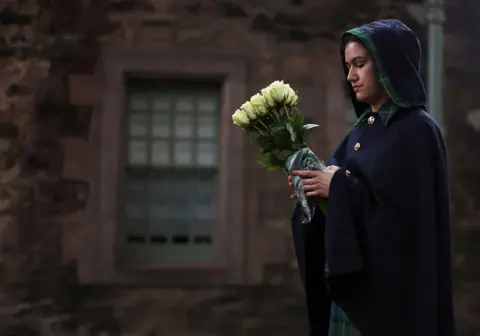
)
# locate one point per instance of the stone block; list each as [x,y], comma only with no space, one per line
[5,223]
[43,156]
[77,158]
[84,90]
[297,67]
[61,198]
[9,16]
[77,123]
[8,130]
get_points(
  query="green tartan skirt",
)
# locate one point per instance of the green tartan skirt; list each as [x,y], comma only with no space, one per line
[340,324]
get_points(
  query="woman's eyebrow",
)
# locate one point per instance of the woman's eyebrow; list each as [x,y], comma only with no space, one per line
[358,58]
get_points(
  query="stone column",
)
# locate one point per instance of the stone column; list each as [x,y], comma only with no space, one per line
[435,20]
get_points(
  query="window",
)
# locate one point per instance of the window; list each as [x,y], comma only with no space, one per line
[170,178]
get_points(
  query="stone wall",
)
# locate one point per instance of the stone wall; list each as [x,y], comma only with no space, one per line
[46,113]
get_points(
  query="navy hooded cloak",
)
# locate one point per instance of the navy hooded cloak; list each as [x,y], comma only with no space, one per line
[383,252]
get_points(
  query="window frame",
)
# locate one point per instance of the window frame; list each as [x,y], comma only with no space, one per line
[115,66]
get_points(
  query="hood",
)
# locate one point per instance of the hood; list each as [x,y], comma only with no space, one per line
[396,54]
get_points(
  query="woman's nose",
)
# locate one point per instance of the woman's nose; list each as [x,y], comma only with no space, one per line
[352,76]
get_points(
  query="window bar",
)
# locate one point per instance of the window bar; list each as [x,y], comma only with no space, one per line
[148,167]
[171,135]
[172,112]
[195,138]
[128,237]
[195,154]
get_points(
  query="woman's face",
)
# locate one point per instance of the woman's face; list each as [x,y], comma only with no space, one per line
[361,74]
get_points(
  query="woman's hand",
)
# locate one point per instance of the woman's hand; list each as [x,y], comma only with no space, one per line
[290,184]
[316,182]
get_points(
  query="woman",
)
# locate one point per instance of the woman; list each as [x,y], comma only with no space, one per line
[382,253]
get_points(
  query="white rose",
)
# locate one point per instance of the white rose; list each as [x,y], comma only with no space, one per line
[240,118]
[248,108]
[275,91]
[277,83]
[278,91]
[291,98]
[269,101]
[258,103]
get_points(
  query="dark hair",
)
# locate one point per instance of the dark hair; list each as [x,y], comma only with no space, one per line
[349,38]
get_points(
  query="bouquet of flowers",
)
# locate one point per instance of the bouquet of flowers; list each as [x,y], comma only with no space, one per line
[273,119]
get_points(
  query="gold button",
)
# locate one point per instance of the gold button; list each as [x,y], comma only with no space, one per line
[371,120]
[347,172]
[357,146]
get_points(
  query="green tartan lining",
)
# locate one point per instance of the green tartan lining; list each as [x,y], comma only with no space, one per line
[386,113]
[340,324]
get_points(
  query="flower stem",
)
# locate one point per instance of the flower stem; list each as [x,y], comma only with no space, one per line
[276,114]
[263,124]
[259,130]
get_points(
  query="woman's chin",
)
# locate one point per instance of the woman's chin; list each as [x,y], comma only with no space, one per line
[362,98]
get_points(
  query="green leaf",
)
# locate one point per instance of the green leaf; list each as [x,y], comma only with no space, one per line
[274,167]
[283,155]
[269,161]
[306,127]
[277,129]
[265,159]
[298,146]
[291,130]
[265,141]
[297,124]
[297,120]
[282,140]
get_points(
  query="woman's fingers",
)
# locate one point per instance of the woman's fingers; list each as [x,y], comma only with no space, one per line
[316,193]
[313,182]
[305,173]
[309,181]
[289,178]
[311,187]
